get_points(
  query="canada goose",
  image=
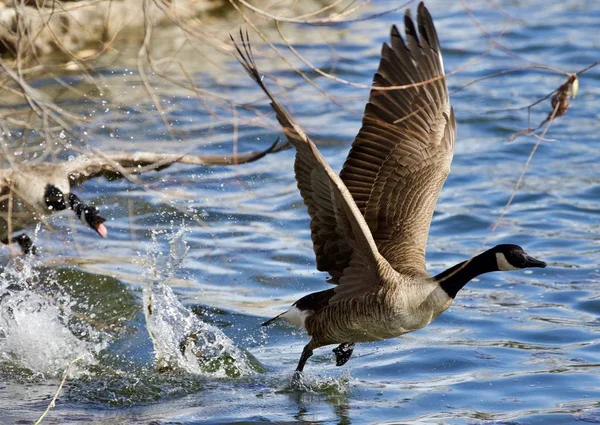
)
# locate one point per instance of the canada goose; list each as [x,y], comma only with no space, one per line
[370,224]
[30,192]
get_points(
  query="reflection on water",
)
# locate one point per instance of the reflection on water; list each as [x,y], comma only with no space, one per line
[514,348]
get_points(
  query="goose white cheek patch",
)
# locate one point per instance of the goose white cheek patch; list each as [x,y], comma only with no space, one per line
[503,263]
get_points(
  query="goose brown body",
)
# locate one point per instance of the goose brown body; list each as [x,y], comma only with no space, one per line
[400,307]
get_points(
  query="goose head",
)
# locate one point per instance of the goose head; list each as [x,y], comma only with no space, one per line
[513,257]
[56,200]
[91,217]
[503,257]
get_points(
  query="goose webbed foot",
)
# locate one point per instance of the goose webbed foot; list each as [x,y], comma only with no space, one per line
[296,379]
[343,353]
[24,242]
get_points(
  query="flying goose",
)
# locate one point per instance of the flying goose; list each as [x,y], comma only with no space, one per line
[369,225]
[31,192]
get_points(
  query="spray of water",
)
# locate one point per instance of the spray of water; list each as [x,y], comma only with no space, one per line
[182,341]
[37,333]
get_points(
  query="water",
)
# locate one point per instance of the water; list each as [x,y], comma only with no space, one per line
[515,348]
[180,339]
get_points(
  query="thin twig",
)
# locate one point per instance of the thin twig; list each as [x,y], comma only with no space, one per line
[62,383]
[333,17]
[522,175]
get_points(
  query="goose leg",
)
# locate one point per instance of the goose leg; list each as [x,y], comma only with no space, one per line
[306,354]
[343,353]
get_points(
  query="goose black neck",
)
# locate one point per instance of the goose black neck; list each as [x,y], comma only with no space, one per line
[456,277]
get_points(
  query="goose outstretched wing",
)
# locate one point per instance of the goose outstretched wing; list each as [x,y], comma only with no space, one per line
[401,156]
[111,165]
[339,231]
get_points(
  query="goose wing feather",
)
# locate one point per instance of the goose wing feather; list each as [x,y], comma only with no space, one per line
[401,156]
[111,165]
[339,231]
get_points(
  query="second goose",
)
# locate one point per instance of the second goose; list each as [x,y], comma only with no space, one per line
[370,224]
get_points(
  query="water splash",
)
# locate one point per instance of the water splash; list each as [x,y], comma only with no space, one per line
[181,340]
[38,335]
[331,386]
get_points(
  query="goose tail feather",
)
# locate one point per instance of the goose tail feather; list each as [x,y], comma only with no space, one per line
[271,321]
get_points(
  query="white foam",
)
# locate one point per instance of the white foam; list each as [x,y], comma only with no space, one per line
[208,351]
[34,324]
